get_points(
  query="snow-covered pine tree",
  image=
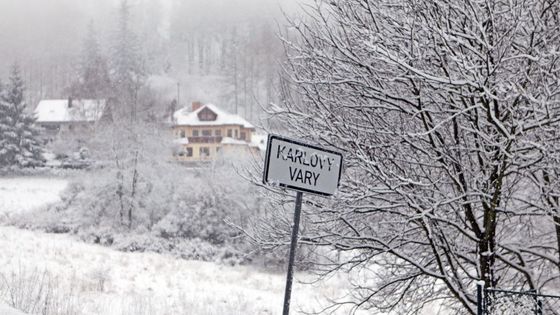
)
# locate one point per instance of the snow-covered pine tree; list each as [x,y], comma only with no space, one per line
[7,136]
[19,144]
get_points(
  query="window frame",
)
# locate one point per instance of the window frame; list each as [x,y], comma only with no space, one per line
[206,152]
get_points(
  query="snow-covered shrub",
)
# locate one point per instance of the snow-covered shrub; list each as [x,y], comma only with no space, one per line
[38,292]
[17,171]
[172,210]
[200,218]
[141,243]
[512,305]
[100,276]
[65,145]
[102,235]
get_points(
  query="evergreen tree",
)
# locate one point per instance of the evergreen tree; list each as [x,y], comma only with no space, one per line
[127,71]
[19,144]
[94,79]
[7,136]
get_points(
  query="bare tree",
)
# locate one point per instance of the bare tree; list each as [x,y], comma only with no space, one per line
[446,112]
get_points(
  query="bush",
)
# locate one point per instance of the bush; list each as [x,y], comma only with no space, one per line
[38,292]
[184,213]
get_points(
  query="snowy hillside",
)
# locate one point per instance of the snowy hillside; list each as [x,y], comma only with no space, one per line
[91,279]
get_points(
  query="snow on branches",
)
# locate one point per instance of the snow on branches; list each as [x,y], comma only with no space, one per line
[448,113]
[19,144]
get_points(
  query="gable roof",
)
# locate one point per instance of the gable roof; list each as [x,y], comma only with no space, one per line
[81,110]
[184,117]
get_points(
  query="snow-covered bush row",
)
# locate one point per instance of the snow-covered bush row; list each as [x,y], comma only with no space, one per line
[37,171]
[172,209]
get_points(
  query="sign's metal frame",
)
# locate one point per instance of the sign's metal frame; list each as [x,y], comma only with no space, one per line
[303,144]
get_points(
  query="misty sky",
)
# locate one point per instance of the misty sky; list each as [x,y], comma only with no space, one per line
[39,30]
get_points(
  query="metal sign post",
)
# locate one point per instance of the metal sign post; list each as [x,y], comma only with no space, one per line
[302,167]
[293,246]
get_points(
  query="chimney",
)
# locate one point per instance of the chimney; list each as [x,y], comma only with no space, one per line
[69,101]
[196,105]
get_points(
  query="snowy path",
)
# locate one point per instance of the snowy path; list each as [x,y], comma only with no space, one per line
[106,281]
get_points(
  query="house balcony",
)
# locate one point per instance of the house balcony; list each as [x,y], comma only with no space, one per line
[205,139]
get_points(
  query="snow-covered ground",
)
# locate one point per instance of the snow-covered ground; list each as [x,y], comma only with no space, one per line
[100,280]
[25,193]
[5,310]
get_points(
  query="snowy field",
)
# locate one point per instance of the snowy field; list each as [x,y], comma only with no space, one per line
[91,279]
[25,193]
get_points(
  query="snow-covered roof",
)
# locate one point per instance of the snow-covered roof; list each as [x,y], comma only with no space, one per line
[184,117]
[181,141]
[259,140]
[80,111]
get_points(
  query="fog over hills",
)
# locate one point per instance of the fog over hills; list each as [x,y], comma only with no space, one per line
[201,44]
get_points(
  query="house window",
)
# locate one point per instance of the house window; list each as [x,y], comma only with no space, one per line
[204,151]
[229,133]
[195,133]
[207,132]
[182,133]
[243,135]
[188,151]
[207,115]
[218,132]
[236,134]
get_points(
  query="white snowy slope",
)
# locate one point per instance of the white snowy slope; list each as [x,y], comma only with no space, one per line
[173,284]
[99,280]
[5,310]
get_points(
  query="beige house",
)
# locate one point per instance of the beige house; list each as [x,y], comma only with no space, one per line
[206,132]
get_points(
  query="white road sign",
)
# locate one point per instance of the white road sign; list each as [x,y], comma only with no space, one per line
[300,166]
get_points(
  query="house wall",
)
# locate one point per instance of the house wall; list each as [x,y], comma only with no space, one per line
[235,129]
[214,149]
[51,130]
